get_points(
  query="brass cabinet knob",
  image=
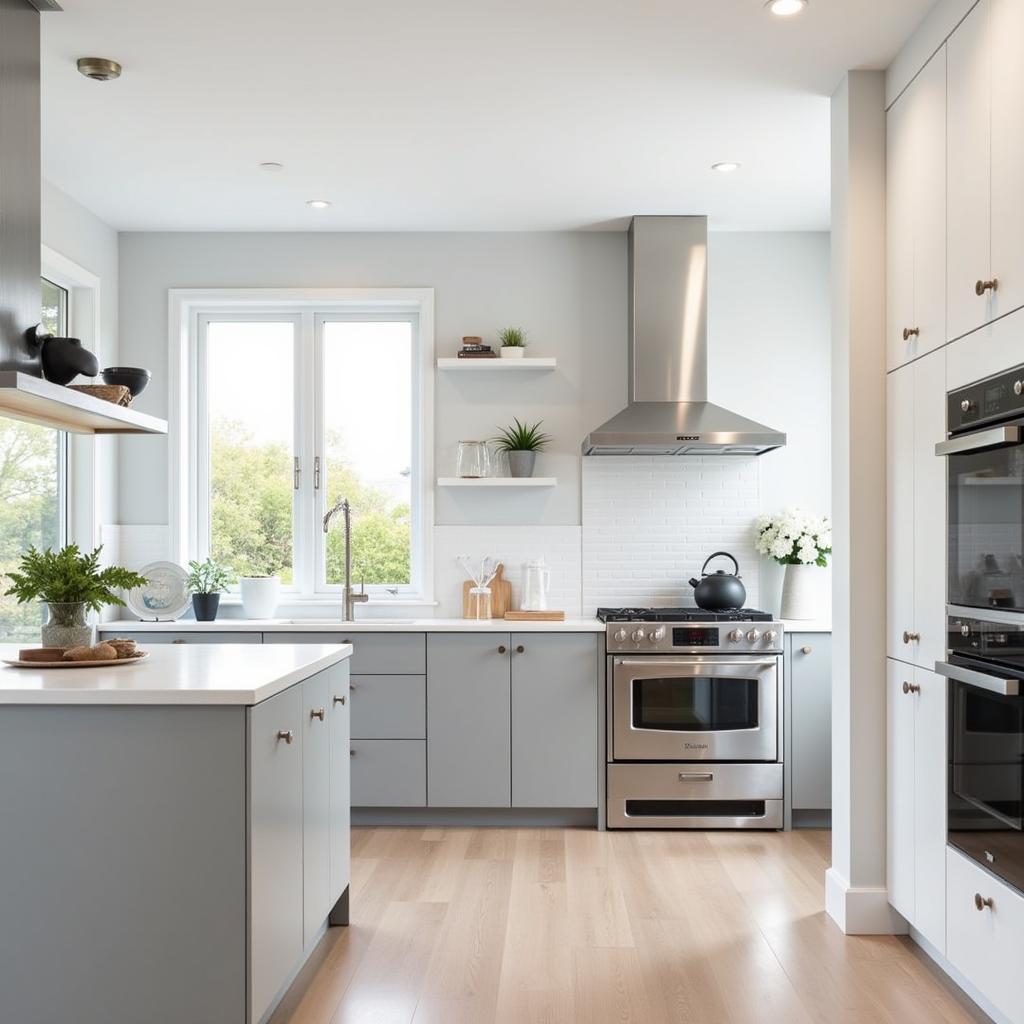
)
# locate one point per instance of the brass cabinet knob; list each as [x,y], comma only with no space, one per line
[351,753]
[806,649]
[910,637]
[502,649]
[317,713]
[520,649]
[981,902]
[911,332]
[981,287]
[339,700]
[911,688]
[286,735]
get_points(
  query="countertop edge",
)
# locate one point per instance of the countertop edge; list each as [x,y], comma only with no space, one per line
[367,626]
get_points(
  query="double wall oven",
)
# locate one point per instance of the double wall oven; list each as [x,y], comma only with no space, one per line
[694,714]
[985,659]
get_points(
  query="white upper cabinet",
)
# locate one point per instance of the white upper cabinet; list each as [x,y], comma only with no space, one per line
[916,216]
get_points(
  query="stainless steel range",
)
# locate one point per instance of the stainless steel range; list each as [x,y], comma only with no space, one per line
[694,718]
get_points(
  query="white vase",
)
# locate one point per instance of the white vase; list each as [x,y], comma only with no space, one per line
[801,592]
[259,596]
[512,351]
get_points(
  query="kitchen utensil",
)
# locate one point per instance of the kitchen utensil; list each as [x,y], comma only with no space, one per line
[134,378]
[501,594]
[164,595]
[536,581]
[719,591]
[479,604]
[474,460]
[525,616]
[131,659]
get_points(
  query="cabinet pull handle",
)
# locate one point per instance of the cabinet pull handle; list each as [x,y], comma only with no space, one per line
[520,649]
[286,735]
[981,902]
[339,700]
[502,649]
[911,332]
[806,649]
[351,753]
[179,641]
[696,777]
[910,637]
[317,713]
[981,287]
[911,687]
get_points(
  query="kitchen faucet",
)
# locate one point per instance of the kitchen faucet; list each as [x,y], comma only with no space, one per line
[349,599]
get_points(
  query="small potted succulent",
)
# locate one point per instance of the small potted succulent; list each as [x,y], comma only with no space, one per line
[70,585]
[207,580]
[521,442]
[513,343]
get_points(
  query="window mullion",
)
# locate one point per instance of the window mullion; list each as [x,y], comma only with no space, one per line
[305,425]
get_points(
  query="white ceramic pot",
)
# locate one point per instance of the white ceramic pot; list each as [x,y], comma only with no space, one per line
[801,592]
[512,352]
[259,595]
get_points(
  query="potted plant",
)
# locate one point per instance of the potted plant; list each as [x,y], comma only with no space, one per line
[802,543]
[513,342]
[70,585]
[206,581]
[260,593]
[521,443]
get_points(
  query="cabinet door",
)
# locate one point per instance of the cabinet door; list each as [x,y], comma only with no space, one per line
[389,773]
[899,211]
[900,510]
[968,165]
[389,707]
[1008,153]
[929,521]
[275,845]
[811,720]
[468,720]
[930,770]
[339,716]
[900,788]
[316,806]
[554,720]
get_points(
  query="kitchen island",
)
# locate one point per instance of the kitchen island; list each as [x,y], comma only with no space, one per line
[175,832]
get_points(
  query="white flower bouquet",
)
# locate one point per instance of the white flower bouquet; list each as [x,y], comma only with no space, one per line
[795,538]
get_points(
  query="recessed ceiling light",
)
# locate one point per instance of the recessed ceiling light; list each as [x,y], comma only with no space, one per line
[726,167]
[100,69]
[785,8]
[318,204]
[271,165]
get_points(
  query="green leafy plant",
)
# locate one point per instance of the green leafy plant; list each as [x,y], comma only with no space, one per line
[207,577]
[522,437]
[512,337]
[69,577]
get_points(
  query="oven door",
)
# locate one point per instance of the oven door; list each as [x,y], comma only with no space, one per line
[985,515]
[986,767]
[695,709]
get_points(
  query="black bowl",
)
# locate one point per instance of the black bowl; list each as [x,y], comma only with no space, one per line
[134,378]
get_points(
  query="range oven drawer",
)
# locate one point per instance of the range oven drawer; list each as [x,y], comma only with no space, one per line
[694,795]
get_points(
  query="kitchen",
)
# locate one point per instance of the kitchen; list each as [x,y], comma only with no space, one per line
[456,516]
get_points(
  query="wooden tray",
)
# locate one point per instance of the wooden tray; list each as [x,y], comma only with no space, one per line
[137,656]
[501,594]
[548,616]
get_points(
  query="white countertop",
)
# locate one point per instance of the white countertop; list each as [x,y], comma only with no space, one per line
[806,626]
[362,626]
[207,674]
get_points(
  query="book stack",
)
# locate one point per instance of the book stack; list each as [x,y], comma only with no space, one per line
[474,348]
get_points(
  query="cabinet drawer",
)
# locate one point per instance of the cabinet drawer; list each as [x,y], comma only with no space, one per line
[186,637]
[389,773]
[373,653]
[389,707]
[985,944]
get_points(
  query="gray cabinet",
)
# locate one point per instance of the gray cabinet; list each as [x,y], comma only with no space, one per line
[275,845]
[184,637]
[469,714]
[316,807]
[555,699]
[809,693]
[372,653]
[389,773]
[338,715]
[388,707]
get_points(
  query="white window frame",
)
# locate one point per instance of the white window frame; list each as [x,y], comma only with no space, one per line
[189,311]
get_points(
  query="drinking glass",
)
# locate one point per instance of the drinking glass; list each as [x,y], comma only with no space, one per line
[474,460]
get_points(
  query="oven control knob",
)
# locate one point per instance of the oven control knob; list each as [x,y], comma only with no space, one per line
[620,636]
[771,636]
[753,636]
[657,635]
[638,635]
[736,636]
[1018,387]
[966,405]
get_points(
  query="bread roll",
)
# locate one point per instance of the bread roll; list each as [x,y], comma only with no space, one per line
[98,652]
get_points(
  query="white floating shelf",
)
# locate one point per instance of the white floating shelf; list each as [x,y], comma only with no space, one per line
[497,481]
[545,363]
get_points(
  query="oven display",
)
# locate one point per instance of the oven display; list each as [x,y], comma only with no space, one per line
[692,637]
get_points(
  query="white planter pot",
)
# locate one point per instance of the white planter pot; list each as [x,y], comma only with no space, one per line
[259,596]
[512,352]
[801,592]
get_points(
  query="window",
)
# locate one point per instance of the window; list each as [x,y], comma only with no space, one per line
[296,408]
[33,474]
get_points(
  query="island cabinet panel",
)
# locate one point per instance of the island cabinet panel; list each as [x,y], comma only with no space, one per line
[372,653]
[555,696]
[469,718]
[275,846]
[316,807]
[339,717]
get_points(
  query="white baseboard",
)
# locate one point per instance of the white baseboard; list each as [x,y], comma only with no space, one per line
[860,910]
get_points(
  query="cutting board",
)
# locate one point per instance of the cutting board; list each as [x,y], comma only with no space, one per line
[501,594]
[547,616]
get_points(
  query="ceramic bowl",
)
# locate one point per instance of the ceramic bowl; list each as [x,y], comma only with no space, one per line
[134,378]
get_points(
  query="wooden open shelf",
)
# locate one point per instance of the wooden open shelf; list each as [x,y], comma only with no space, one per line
[505,365]
[497,481]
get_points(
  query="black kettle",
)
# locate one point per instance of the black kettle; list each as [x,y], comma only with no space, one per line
[719,591]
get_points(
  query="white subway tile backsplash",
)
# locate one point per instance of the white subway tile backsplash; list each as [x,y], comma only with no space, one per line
[649,523]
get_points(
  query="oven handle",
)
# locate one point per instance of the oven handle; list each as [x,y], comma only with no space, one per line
[711,663]
[1006,687]
[996,437]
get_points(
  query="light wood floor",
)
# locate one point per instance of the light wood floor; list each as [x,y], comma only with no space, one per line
[470,926]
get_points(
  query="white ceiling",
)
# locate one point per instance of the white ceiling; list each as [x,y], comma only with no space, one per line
[452,114]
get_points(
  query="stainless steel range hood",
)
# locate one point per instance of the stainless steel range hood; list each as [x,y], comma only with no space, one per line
[668,411]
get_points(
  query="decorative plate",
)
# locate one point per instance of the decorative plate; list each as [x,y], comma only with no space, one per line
[129,660]
[165,596]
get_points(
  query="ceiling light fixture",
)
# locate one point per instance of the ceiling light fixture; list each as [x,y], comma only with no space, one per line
[785,8]
[99,69]
[271,165]
[318,204]
[726,167]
